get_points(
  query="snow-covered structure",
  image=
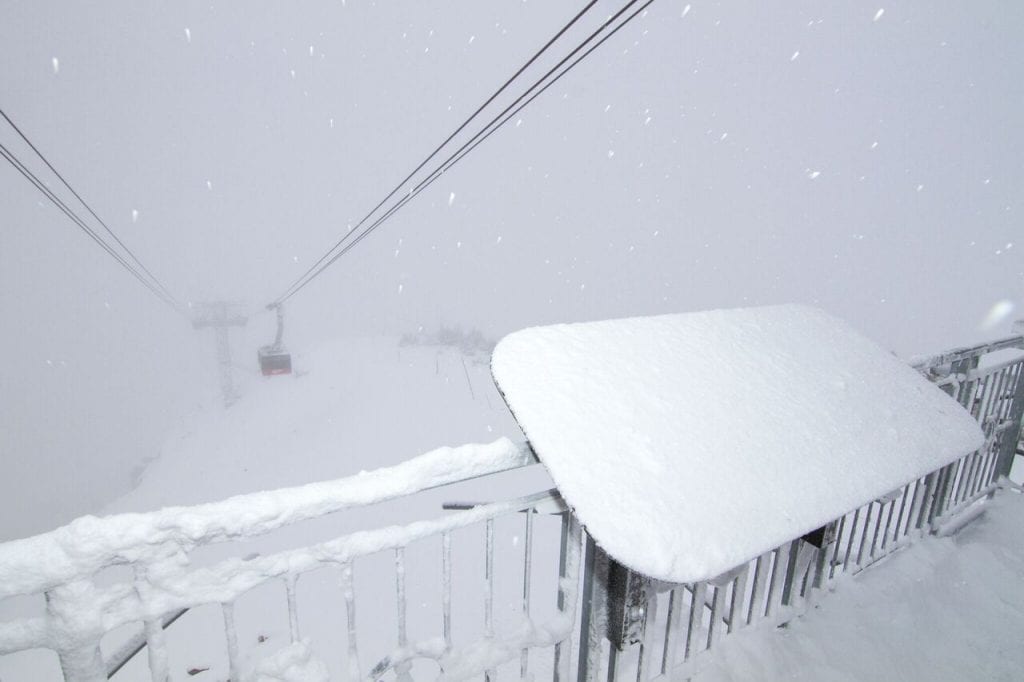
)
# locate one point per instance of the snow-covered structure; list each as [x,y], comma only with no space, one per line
[691,399]
[745,427]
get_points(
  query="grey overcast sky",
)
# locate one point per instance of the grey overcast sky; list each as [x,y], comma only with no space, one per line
[864,157]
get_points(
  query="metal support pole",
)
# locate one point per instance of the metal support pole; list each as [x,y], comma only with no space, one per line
[78,633]
[593,615]
[1011,436]
[220,315]
[227,382]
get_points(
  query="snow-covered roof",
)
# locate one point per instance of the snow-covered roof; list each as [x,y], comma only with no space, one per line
[690,443]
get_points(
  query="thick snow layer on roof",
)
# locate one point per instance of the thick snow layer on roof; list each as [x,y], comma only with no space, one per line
[690,443]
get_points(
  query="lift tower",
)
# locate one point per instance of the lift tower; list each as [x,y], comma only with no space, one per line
[221,315]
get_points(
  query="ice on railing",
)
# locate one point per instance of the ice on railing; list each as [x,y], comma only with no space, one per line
[88,544]
[293,663]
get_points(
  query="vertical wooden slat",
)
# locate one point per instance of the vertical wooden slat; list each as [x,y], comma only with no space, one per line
[878,525]
[670,654]
[524,655]
[156,644]
[716,614]
[489,675]
[231,638]
[850,541]
[593,614]
[348,588]
[761,570]
[568,582]
[899,518]
[400,600]
[836,547]
[737,612]
[293,611]
[778,580]
[647,646]
[446,589]
[694,621]
[864,534]
[923,510]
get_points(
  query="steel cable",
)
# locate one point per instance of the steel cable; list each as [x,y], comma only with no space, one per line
[292,288]
[490,128]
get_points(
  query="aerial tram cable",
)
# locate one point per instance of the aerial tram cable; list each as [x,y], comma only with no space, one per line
[441,146]
[82,201]
[481,136]
[56,201]
[497,122]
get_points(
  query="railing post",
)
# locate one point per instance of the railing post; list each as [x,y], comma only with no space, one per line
[965,393]
[593,614]
[568,589]
[1011,436]
[78,629]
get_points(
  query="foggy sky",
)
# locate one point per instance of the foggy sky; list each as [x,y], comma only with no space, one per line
[724,155]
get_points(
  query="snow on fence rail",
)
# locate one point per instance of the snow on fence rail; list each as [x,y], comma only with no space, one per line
[79,612]
[623,623]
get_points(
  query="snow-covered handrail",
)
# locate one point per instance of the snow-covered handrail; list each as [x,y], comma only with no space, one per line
[923,363]
[88,544]
[80,611]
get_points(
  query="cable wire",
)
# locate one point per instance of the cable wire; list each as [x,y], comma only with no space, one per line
[459,129]
[490,128]
[82,201]
[56,201]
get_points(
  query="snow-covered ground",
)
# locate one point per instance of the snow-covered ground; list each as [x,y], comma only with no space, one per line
[351,405]
[946,608]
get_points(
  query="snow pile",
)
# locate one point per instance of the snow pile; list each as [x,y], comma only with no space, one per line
[944,609]
[745,428]
[294,663]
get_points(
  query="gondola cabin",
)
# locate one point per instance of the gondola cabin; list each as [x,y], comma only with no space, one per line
[274,361]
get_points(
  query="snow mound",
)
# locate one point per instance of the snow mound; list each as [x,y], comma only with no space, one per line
[688,444]
[294,663]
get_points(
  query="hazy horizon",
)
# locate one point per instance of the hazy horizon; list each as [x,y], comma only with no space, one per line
[862,158]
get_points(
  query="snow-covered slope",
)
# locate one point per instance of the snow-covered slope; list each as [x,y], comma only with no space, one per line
[351,405]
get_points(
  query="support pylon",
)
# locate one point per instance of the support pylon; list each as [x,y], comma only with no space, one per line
[221,315]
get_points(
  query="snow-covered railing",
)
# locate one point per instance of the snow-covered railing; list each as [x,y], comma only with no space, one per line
[637,628]
[63,565]
[627,626]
